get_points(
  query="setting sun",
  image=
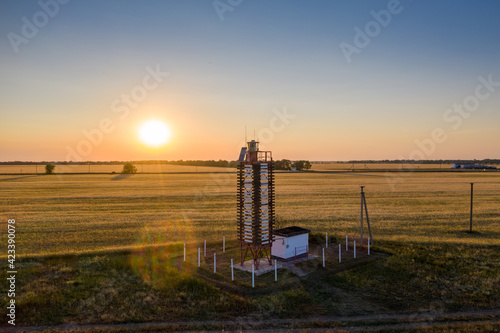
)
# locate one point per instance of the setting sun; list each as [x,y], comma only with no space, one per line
[154,133]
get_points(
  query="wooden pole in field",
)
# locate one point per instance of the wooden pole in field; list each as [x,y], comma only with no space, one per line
[471,201]
[232,271]
[198,257]
[362,202]
[368,220]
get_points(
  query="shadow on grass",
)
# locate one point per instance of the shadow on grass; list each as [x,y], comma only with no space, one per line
[122,176]
[480,235]
[7,179]
[472,232]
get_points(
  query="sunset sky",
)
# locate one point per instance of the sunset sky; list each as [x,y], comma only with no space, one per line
[316,80]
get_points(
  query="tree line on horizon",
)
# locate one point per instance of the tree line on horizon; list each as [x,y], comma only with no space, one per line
[129,167]
[225,163]
[283,164]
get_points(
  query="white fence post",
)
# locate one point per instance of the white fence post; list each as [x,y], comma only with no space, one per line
[184,252]
[323,257]
[253,278]
[232,271]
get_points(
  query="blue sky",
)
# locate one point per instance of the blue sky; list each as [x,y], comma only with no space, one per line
[263,59]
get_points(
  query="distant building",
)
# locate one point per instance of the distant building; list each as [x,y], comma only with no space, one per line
[472,166]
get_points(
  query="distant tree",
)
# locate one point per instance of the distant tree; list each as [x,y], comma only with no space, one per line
[49,168]
[222,163]
[301,165]
[129,168]
[282,165]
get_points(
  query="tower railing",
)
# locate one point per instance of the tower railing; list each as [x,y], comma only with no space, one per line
[264,156]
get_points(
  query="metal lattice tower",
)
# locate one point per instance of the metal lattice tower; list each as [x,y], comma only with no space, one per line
[255,203]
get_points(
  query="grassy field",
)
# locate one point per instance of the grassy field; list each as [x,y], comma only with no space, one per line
[116,168]
[75,213]
[165,168]
[154,285]
[96,249]
[378,166]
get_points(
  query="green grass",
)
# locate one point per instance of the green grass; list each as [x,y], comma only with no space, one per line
[155,285]
[419,277]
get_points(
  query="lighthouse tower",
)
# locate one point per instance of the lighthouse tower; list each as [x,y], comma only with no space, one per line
[255,203]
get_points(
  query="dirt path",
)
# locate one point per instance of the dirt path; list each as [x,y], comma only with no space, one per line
[249,324]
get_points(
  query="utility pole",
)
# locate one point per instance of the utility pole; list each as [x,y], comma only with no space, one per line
[362,201]
[471,201]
